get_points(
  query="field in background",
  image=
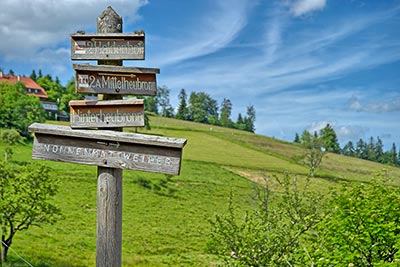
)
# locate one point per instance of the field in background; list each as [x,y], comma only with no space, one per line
[166,219]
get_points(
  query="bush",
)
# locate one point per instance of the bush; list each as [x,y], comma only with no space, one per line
[363,228]
[278,232]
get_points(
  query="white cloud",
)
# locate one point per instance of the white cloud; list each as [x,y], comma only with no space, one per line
[30,26]
[302,7]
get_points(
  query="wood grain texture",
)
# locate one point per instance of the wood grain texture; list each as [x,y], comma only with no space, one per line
[106,114]
[109,217]
[107,46]
[104,79]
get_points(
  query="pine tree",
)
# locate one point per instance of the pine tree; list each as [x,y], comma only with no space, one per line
[33,75]
[226,109]
[250,119]
[349,150]
[183,112]
[297,138]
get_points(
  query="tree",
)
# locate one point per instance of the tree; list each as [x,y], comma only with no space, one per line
[297,138]
[9,137]
[370,150]
[349,150]
[278,232]
[183,112]
[68,95]
[25,200]
[151,104]
[163,101]
[250,119]
[329,139]
[11,72]
[240,122]
[33,75]
[361,149]
[18,110]
[203,108]
[54,90]
[378,150]
[313,153]
[226,110]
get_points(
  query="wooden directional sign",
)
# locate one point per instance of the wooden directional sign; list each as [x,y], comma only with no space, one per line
[117,80]
[107,148]
[107,46]
[106,114]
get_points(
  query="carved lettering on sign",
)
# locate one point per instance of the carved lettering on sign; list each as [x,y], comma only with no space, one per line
[115,83]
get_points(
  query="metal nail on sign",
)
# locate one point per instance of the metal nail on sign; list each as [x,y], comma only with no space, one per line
[106,114]
[104,79]
[107,46]
[107,148]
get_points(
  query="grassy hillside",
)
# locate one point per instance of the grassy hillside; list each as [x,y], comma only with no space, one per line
[166,219]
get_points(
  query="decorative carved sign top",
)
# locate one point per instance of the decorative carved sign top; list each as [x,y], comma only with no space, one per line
[109,21]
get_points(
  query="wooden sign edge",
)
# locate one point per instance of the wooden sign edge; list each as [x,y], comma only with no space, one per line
[115,69]
[95,103]
[108,135]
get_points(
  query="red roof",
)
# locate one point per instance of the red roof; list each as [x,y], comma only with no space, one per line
[36,89]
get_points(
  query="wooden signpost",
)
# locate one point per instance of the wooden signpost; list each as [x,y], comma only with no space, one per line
[115,80]
[115,150]
[106,114]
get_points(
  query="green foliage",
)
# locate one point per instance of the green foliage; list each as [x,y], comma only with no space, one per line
[163,101]
[313,152]
[9,137]
[18,110]
[363,228]
[25,200]
[278,232]
[183,112]
[68,95]
[329,138]
[54,90]
[203,108]
[226,110]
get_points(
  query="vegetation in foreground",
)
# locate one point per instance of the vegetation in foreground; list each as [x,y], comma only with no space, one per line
[166,220]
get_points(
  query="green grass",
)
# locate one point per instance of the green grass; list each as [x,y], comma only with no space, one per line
[166,219]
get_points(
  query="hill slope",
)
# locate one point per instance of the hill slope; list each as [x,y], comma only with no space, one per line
[166,219]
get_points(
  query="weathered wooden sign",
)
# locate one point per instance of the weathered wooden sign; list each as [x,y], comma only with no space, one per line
[107,148]
[106,114]
[104,79]
[107,46]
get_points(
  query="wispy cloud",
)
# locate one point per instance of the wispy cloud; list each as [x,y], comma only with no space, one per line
[382,106]
[302,7]
[214,31]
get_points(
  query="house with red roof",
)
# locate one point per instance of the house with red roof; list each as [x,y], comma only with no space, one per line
[32,88]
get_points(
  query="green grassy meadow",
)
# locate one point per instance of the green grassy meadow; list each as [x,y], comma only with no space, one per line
[166,219]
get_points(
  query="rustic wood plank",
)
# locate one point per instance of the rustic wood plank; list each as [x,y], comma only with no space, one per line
[107,46]
[98,152]
[106,114]
[105,79]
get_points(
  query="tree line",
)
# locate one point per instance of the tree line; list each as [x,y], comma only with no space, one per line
[200,107]
[369,150]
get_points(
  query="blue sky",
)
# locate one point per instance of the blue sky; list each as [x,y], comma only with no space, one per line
[301,63]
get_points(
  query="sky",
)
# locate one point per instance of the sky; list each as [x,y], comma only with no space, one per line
[301,63]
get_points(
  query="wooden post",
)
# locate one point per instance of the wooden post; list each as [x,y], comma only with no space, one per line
[109,180]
